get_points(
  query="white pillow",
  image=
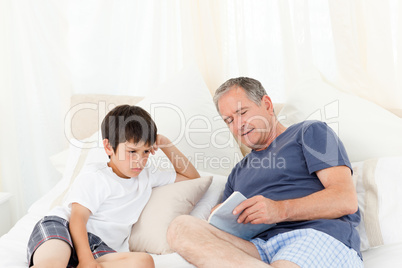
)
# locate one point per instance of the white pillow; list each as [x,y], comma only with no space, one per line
[59,160]
[379,188]
[367,130]
[211,198]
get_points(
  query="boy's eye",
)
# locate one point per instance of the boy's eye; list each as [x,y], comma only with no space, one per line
[147,151]
[132,152]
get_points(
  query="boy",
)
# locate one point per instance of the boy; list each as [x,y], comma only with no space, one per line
[106,199]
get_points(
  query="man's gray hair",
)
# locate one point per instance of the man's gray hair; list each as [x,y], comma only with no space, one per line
[253,88]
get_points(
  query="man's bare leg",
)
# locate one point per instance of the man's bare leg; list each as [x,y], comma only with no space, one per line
[206,246]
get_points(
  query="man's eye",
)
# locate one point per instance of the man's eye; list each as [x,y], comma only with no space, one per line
[132,152]
[229,120]
[147,151]
[244,112]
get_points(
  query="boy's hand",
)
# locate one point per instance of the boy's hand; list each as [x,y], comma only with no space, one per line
[161,142]
[183,167]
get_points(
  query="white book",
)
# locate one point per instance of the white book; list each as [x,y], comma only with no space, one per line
[222,218]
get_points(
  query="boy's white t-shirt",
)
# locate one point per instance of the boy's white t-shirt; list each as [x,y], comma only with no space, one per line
[115,203]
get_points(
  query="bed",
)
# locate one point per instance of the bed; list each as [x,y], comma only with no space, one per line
[183,111]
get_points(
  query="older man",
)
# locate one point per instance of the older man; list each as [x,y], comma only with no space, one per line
[297,177]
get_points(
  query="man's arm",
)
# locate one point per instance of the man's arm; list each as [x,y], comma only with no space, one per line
[339,198]
[78,221]
[183,167]
[215,207]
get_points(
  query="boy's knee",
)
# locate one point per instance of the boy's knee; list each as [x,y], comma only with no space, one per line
[145,259]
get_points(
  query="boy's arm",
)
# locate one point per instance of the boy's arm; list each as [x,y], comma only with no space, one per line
[183,167]
[78,221]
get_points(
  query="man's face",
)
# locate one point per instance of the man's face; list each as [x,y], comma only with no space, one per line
[250,123]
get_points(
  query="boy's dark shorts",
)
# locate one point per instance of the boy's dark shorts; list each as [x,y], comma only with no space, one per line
[54,227]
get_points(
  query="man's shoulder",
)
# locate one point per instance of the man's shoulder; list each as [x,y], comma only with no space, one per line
[308,125]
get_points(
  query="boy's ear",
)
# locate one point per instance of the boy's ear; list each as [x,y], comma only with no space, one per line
[108,148]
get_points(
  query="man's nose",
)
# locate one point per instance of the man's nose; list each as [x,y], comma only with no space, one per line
[239,124]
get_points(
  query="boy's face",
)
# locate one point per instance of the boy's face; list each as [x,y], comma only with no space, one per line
[129,159]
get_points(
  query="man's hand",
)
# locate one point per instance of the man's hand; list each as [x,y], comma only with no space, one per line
[259,209]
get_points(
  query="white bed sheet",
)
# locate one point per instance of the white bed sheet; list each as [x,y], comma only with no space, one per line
[13,245]
[384,256]
[13,250]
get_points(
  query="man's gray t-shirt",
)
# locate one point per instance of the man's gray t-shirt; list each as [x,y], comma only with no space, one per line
[286,170]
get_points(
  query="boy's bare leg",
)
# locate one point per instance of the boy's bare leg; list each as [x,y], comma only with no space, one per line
[126,259]
[205,246]
[53,253]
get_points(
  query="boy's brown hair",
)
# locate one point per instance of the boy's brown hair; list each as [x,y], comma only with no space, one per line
[128,123]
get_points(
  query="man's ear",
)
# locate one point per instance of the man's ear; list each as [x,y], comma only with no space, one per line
[108,148]
[266,100]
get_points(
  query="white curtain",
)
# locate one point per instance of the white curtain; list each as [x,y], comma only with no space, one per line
[129,47]
[35,88]
[52,49]
[368,45]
